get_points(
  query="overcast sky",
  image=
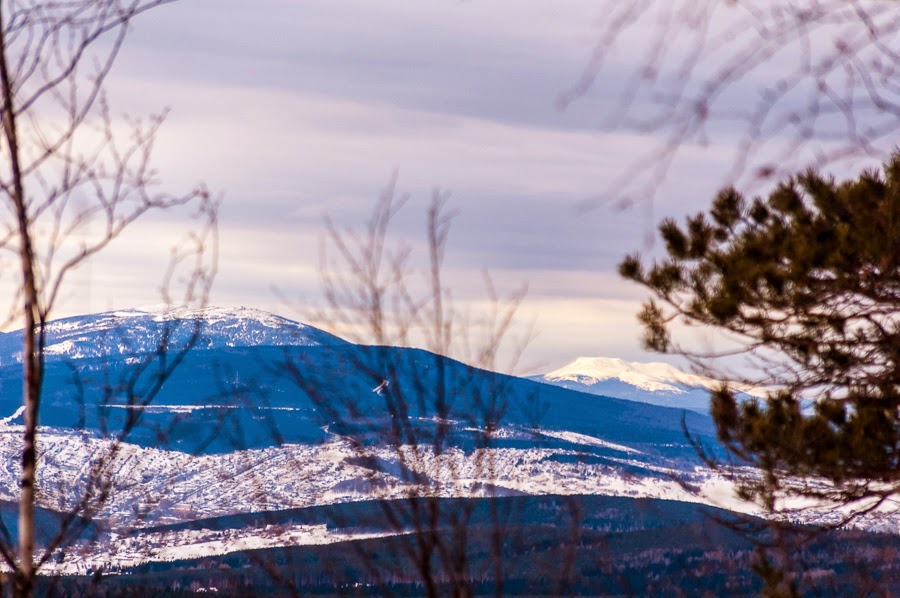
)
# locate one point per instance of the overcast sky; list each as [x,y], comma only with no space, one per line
[297,110]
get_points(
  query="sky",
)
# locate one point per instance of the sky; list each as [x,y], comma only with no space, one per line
[294,111]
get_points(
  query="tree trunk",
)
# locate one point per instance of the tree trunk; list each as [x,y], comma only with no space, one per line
[32,361]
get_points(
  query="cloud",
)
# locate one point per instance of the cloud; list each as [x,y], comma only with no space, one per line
[300,109]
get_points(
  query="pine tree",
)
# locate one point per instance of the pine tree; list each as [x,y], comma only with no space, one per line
[807,281]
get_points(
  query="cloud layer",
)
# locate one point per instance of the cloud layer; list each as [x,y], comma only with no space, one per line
[297,110]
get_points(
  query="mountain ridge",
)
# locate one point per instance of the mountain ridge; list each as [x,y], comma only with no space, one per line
[137,331]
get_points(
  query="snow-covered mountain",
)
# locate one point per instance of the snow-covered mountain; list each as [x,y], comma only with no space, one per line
[142,330]
[655,383]
[229,435]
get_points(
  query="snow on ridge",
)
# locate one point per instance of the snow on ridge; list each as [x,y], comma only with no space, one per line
[162,313]
[211,315]
[652,376]
[134,331]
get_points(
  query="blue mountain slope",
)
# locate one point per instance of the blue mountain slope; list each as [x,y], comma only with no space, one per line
[235,398]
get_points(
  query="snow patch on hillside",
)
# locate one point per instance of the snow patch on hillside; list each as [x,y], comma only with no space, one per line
[576,438]
[60,348]
[6,421]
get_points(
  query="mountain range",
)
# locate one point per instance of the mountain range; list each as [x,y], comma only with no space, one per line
[269,430]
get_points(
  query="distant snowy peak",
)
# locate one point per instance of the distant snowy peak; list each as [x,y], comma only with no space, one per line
[653,377]
[655,383]
[142,330]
